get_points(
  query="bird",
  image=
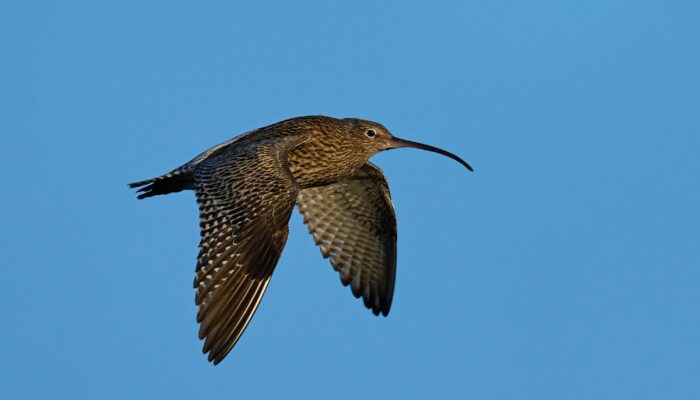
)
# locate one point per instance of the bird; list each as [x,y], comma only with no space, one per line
[246,189]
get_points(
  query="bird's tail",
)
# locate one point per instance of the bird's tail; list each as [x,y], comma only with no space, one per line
[171,182]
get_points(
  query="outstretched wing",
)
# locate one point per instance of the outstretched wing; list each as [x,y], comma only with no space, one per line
[354,224]
[246,195]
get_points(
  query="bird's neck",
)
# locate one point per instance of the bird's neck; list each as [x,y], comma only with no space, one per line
[321,161]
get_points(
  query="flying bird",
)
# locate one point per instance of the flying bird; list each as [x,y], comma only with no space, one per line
[246,189]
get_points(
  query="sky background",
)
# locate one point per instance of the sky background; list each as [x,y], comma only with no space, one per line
[566,267]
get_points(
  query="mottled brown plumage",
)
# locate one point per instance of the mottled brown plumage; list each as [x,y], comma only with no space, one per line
[246,189]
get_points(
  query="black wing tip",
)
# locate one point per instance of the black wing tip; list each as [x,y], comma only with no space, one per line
[382,309]
[386,306]
[214,359]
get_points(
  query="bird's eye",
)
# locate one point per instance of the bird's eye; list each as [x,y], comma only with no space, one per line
[371,132]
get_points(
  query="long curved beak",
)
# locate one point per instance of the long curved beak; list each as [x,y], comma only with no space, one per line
[395,143]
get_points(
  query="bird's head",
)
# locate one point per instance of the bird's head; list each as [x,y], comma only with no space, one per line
[372,137]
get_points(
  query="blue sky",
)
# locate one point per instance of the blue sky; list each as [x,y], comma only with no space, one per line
[566,267]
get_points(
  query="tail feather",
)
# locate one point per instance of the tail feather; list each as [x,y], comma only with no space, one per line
[169,183]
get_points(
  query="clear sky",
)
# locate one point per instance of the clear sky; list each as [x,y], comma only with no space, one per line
[566,267]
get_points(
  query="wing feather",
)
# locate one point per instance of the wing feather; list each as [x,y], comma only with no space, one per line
[353,223]
[245,194]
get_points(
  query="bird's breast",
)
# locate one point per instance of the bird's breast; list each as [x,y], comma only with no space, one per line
[317,164]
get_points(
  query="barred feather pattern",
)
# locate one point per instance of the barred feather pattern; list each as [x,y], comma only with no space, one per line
[353,223]
[245,194]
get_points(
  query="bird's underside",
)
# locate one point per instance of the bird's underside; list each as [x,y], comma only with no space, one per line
[246,194]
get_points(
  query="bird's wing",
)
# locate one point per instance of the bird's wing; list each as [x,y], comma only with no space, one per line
[353,223]
[246,195]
